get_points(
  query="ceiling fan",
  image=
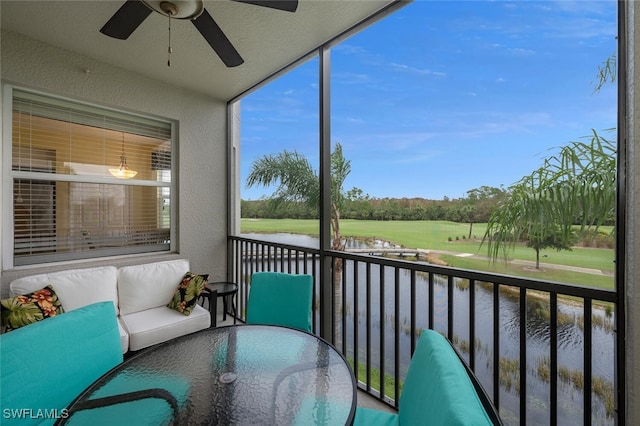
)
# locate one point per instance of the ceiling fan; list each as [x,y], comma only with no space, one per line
[133,12]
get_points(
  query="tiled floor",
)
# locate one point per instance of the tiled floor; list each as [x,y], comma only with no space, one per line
[364,400]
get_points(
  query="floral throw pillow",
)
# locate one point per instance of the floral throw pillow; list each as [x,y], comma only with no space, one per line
[29,308]
[187,293]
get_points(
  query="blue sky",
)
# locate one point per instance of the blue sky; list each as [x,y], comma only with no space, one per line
[442,97]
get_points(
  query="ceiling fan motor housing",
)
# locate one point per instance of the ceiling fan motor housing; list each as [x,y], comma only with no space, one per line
[177,9]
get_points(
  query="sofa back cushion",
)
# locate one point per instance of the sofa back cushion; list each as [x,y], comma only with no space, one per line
[76,287]
[148,286]
[46,365]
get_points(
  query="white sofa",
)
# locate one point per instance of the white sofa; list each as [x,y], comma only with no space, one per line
[140,294]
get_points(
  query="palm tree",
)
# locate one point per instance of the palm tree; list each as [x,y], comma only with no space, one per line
[298,182]
[576,187]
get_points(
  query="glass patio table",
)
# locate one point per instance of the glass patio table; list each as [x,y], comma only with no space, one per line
[243,374]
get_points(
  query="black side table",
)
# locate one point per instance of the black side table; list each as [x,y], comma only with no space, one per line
[226,290]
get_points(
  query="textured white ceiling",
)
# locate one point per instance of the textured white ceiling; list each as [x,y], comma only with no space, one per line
[267,39]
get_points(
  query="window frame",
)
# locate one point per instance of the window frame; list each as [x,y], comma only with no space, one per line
[9,176]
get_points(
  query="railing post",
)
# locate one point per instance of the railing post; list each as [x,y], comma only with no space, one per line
[326,296]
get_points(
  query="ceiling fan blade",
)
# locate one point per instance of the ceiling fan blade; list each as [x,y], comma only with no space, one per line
[286,5]
[125,21]
[217,39]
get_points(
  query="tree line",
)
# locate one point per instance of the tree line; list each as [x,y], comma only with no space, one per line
[476,207]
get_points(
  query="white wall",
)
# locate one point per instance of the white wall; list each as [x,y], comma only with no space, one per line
[201,130]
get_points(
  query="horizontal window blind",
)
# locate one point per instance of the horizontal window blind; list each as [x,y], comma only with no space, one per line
[87,142]
[87,115]
[70,197]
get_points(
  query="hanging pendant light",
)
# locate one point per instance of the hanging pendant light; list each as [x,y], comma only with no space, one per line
[123,172]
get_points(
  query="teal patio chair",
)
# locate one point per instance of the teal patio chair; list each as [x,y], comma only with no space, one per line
[438,390]
[278,298]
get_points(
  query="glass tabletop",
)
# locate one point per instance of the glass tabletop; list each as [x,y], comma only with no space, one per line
[245,374]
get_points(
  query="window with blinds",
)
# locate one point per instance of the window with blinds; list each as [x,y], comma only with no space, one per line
[87,181]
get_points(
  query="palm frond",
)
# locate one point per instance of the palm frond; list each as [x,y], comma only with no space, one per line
[575,187]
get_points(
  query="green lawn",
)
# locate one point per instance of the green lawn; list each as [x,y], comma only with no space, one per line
[414,234]
[589,280]
[452,237]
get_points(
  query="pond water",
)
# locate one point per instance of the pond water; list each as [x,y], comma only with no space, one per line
[570,337]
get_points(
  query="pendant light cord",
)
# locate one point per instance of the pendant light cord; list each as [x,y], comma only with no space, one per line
[169,49]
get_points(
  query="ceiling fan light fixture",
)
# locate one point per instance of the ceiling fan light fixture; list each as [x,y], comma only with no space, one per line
[177,9]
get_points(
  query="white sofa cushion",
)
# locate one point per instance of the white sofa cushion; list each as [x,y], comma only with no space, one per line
[76,287]
[82,287]
[124,336]
[28,285]
[148,286]
[158,325]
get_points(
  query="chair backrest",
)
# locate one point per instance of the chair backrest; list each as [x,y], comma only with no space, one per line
[437,383]
[278,298]
[46,365]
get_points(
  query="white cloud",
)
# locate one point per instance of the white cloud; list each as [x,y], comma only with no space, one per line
[520,51]
[415,70]
[351,78]
[350,49]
